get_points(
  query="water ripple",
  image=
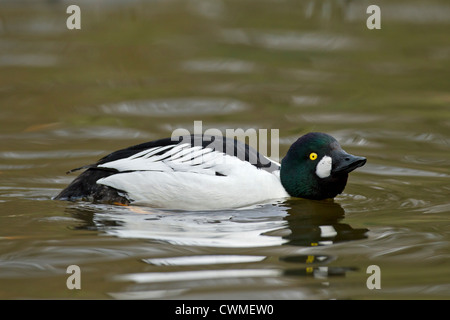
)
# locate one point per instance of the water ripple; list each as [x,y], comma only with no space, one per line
[28,155]
[176,107]
[29,60]
[203,260]
[79,133]
[226,66]
[151,277]
[289,40]
[384,170]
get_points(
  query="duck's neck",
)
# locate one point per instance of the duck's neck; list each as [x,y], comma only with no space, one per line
[293,178]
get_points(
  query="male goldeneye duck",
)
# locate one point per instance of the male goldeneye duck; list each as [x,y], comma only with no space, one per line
[200,172]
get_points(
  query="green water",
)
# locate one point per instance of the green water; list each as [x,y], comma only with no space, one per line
[138,70]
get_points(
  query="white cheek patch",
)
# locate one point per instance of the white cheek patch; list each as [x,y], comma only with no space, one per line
[323,168]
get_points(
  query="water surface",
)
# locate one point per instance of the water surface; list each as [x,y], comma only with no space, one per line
[138,70]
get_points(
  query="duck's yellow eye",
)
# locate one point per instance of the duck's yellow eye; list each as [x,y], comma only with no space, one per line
[313,156]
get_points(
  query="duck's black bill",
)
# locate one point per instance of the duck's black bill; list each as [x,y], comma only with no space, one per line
[346,163]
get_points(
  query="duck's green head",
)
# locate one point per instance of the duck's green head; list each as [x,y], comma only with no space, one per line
[316,167]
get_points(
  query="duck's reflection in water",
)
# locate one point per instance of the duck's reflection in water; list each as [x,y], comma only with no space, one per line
[317,223]
[226,246]
[294,222]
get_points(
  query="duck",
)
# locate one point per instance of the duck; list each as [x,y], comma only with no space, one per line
[202,172]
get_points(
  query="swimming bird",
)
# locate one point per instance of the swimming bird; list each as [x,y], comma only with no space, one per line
[200,172]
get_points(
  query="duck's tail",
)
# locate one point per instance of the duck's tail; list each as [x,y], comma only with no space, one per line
[85,188]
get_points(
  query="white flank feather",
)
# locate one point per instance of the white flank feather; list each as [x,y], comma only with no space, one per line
[184,177]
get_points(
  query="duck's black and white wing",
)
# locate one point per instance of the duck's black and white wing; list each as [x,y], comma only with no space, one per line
[191,172]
